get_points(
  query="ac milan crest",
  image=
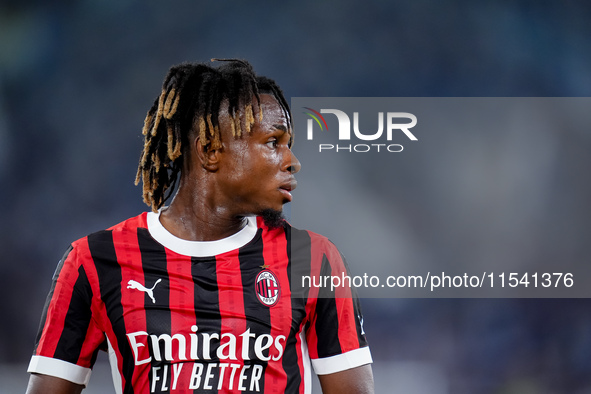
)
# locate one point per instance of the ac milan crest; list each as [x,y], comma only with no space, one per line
[267,288]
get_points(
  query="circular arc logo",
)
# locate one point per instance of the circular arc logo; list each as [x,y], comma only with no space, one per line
[267,288]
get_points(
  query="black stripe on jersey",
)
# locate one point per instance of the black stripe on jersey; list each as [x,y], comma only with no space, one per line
[155,267]
[358,321]
[77,321]
[299,250]
[108,269]
[207,302]
[207,305]
[56,274]
[328,342]
[258,316]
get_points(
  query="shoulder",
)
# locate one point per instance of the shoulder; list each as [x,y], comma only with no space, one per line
[318,240]
[308,242]
[132,224]
[81,246]
[139,221]
[293,232]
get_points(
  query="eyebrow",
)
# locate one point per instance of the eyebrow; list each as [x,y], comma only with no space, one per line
[281,127]
[285,130]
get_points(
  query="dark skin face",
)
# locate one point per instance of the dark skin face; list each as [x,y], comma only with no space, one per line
[248,174]
[257,170]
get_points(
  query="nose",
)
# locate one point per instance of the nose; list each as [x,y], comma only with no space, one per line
[293,164]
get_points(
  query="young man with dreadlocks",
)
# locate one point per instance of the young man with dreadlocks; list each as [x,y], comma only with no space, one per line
[198,296]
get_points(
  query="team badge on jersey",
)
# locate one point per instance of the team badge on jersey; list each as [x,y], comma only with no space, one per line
[267,288]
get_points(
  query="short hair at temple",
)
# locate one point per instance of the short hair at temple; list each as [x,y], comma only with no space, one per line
[191,97]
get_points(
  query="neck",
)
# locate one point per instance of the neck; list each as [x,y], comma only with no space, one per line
[190,217]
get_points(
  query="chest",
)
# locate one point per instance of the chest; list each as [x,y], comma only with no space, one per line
[171,308]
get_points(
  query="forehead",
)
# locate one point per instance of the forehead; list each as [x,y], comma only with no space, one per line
[273,114]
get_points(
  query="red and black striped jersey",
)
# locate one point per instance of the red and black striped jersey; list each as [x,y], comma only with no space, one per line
[199,317]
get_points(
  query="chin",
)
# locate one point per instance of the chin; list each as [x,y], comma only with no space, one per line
[273,218]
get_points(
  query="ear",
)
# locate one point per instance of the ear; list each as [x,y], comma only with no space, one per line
[208,158]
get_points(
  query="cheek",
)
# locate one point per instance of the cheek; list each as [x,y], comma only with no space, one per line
[237,164]
[241,156]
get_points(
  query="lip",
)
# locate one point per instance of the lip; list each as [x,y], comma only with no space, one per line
[287,187]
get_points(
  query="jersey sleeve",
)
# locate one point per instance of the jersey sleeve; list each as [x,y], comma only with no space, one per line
[335,336]
[68,339]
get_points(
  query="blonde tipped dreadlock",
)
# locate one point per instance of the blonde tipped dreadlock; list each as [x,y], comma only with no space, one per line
[191,97]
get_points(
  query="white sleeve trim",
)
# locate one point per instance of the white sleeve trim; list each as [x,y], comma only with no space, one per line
[59,369]
[342,362]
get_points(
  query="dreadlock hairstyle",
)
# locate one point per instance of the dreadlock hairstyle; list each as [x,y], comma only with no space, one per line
[192,94]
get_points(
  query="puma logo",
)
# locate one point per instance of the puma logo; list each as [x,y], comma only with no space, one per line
[132,284]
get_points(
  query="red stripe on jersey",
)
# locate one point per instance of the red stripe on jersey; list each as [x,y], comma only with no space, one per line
[59,305]
[275,255]
[232,315]
[181,299]
[128,253]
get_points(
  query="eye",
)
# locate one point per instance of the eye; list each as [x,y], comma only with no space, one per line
[272,143]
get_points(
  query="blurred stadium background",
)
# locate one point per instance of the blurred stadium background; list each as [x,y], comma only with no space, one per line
[77,77]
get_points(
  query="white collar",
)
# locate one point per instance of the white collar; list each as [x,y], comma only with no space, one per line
[200,248]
